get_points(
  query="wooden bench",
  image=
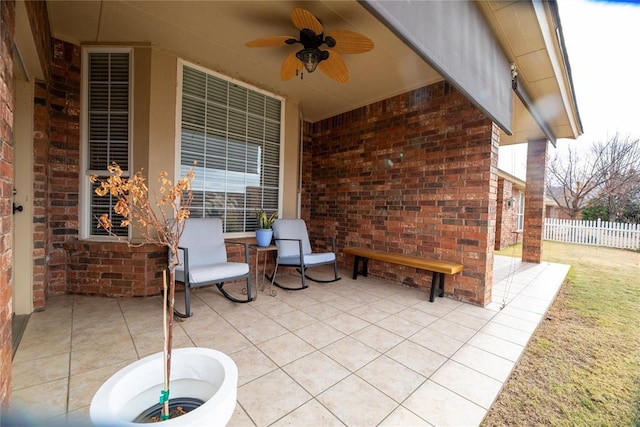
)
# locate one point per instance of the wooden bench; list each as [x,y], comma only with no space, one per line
[439,268]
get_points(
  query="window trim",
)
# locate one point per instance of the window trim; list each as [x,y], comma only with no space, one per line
[84,198]
[181,63]
[520,212]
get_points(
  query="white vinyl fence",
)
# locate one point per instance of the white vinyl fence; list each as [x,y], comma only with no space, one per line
[598,233]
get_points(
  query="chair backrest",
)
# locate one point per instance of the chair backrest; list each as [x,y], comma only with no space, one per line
[205,240]
[291,229]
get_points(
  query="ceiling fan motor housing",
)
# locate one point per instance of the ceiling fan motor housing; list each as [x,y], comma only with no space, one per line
[311,40]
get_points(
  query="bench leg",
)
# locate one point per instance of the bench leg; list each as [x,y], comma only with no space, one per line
[365,266]
[356,261]
[434,283]
[437,281]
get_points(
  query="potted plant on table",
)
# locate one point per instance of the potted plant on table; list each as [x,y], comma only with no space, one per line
[264,232]
[203,382]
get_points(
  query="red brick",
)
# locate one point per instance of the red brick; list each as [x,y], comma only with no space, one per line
[107,268]
[412,174]
[534,209]
[7,28]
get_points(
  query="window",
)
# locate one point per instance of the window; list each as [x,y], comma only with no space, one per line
[233,134]
[520,215]
[106,128]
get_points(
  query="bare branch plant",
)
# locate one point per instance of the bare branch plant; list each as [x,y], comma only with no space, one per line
[159,220]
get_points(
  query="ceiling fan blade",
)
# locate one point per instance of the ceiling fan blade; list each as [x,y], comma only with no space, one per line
[289,67]
[350,42]
[304,19]
[335,67]
[270,41]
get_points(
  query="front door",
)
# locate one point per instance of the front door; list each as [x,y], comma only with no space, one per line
[23,196]
[27,69]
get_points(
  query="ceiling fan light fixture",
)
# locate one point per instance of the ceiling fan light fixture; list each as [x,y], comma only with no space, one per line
[310,58]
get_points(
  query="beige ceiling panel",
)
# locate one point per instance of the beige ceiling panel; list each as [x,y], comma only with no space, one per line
[497,5]
[213,34]
[549,101]
[73,21]
[516,21]
[534,66]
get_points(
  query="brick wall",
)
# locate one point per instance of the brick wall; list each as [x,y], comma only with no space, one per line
[39,22]
[7,28]
[114,268]
[64,157]
[507,215]
[40,194]
[534,201]
[551,211]
[414,174]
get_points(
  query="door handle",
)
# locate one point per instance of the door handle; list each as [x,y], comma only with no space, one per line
[17,208]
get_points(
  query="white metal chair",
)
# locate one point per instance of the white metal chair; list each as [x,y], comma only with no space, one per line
[203,261]
[294,250]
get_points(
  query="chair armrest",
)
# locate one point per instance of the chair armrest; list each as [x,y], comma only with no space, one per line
[246,248]
[185,257]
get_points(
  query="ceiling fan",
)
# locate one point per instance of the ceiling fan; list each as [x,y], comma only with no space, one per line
[312,38]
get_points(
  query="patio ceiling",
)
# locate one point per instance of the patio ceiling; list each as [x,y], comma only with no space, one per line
[213,34]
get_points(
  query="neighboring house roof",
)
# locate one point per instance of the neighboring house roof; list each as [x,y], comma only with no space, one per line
[559,199]
[522,185]
[213,34]
[548,201]
[517,182]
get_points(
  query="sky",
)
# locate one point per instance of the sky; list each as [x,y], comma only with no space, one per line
[603,44]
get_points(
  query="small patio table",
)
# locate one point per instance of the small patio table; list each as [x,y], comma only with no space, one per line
[266,250]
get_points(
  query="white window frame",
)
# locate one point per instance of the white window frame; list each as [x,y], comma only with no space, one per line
[520,213]
[179,88]
[84,204]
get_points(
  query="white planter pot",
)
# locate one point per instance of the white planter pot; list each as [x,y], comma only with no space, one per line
[201,373]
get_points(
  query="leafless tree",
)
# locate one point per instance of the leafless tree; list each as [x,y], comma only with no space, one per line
[619,163]
[607,174]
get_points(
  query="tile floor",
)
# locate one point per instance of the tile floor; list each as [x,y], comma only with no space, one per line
[355,353]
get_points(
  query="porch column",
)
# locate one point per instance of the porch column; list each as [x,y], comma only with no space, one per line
[534,201]
[500,215]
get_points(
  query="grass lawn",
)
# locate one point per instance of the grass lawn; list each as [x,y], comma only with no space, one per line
[582,365]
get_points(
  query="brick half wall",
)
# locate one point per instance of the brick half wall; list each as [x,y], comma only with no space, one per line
[413,174]
[114,269]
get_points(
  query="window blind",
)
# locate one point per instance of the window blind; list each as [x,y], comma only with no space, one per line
[233,133]
[108,124]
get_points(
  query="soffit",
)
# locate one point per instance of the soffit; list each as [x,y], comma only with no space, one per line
[213,34]
[528,35]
